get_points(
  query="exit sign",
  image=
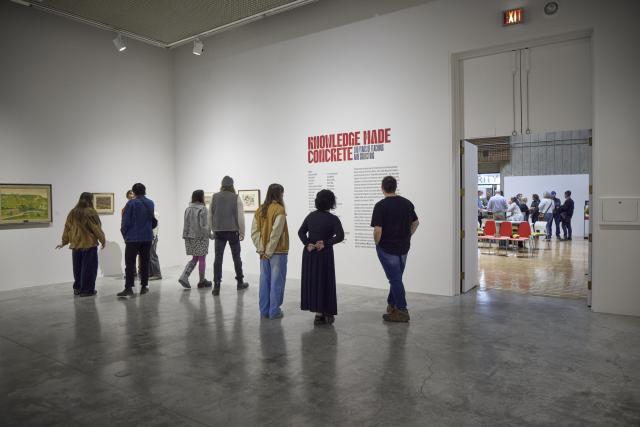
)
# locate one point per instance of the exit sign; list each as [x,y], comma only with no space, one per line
[513,16]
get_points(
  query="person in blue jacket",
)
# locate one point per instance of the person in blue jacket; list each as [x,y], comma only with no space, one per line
[137,227]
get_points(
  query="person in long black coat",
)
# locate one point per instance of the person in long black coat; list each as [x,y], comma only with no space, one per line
[319,232]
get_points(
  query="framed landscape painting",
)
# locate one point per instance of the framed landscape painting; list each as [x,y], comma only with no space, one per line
[103,202]
[25,204]
[250,199]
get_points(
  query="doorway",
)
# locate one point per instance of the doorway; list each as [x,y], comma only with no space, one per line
[522,117]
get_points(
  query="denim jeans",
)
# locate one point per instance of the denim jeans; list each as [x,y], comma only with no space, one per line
[85,269]
[273,273]
[222,237]
[558,221]
[548,217]
[393,266]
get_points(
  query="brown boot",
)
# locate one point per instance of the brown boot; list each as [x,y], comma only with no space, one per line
[390,308]
[397,316]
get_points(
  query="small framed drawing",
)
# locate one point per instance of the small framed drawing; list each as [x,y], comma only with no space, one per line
[25,204]
[103,203]
[250,199]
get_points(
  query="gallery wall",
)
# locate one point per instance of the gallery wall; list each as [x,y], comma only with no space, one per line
[246,107]
[77,114]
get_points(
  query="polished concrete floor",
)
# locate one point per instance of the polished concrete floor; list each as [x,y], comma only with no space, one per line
[556,269]
[174,358]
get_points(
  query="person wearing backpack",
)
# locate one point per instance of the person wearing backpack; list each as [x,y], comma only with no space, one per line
[137,226]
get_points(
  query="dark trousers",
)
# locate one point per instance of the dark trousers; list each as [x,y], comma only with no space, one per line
[85,269]
[222,237]
[480,219]
[154,261]
[393,266]
[566,227]
[131,251]
[557,220]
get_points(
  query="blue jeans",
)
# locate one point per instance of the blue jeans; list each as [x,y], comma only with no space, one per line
[85,269]
[273,273]
[393,266]
[548,217]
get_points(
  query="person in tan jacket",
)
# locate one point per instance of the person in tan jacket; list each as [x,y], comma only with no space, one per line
[271,238]
[82,232]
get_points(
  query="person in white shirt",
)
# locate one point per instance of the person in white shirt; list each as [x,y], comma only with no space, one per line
[497,203]
[546,209]
[513,211]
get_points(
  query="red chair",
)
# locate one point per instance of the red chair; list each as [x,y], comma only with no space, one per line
[524,235]
[489,233]
[505,234]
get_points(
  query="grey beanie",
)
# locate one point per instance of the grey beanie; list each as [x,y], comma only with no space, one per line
[227,181]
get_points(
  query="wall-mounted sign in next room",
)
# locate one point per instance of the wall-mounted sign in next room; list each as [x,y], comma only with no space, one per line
[513,16]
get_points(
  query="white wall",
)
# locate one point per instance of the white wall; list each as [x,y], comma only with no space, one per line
[76,114]
[577,184]
[246,106]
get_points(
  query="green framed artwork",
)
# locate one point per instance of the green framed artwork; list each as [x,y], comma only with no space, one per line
[25,204]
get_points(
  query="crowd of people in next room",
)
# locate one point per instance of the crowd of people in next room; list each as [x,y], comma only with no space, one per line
[393,221]
[549,209]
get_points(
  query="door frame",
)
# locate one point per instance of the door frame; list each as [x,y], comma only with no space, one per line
[457,122]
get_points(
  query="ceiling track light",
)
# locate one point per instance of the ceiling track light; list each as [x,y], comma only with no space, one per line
[118,42]
[22,2]
[198,47]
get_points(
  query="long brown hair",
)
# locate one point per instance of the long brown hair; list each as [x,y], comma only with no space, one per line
[83,208]
[229,188]
[274,194]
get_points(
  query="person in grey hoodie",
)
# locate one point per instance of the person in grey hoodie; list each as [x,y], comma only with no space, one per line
[196,239]
[226,222]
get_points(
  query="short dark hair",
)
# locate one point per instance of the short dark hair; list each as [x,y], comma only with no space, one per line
[325,200]
[389,184]
[567,193]
[197,196]
[139,189]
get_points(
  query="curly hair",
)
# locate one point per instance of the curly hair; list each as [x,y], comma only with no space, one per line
[325,200]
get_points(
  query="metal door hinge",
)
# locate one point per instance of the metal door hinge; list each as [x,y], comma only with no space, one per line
[462,234]
[590,237]
[462,275]
[462,192]
[590,189]
[589,285]
[590,140]
[462,150]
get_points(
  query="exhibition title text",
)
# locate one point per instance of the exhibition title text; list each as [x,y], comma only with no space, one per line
[347,146]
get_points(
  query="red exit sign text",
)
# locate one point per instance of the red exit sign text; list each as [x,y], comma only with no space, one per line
[513,16]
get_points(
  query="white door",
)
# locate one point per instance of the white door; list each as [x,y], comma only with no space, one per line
[557,80]
[491,92]
[469,181]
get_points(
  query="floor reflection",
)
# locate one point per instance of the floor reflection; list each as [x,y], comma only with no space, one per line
[558,270]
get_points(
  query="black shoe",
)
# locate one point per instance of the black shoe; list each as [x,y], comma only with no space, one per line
[242,285]
[144,290]
[568,238]
[88,294]
[319,319]
[76,291]
[216,289]
[329,319]
[204,284]
[157,277]
[128,292]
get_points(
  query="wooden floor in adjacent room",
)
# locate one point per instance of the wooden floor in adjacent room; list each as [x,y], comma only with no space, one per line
[557,269]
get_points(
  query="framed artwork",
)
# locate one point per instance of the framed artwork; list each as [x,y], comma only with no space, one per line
[250,199]
[25,204]
[103,203]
